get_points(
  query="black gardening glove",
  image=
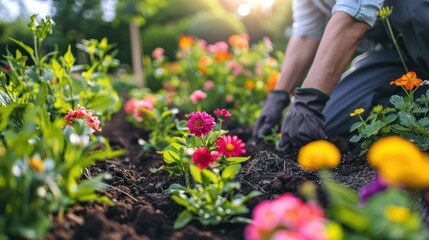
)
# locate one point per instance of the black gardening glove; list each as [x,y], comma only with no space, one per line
[304,122]
[271,113]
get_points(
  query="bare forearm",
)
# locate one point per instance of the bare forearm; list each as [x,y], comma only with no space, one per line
[298,57]
[339,42]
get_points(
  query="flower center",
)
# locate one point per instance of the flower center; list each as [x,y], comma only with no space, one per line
[198,122]
[229,147]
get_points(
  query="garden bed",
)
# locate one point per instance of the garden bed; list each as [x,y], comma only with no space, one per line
[144,210]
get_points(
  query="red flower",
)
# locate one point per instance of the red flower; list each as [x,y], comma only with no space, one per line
[200,124]
[230,146]
[222,114]
[203,158]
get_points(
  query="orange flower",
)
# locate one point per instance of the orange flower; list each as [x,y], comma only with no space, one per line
[408,80]
[250,84]
[222,56]
[203,62]
[239,41]
[185,42]
[272,80]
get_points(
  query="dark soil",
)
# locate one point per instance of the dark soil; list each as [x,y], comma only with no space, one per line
[143,209]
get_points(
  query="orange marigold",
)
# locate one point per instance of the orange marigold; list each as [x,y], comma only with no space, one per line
[185,42]
[409,81]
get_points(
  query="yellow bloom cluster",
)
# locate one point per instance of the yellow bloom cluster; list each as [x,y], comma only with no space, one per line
[36,164]
[384,12]
[318,155]
[400,162]
[397,214]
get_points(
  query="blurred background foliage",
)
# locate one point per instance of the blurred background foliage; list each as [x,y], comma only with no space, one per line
[160,25]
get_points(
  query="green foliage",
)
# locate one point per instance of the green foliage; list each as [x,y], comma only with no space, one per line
[43,158]
[377,218]
[407,118]
[41,168]
[152,113]
[212,200]
[53,81]
[210,197]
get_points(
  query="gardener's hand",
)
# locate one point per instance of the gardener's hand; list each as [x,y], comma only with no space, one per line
[304,122]
[272,113]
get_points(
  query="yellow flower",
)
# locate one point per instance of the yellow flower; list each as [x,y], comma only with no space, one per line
[400,162]
[397,214]
[392,148]
[384,12]
[319,154]
[36,164]
[357,111]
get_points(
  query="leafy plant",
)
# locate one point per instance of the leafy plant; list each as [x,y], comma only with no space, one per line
[211,159]
[53,81]
[408,117]
[41,171]
[151,112]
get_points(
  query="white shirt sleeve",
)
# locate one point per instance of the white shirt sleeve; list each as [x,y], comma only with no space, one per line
[310,17]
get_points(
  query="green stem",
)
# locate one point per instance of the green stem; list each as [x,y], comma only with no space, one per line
[389,27]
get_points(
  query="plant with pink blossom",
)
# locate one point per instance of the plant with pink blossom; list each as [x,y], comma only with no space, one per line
[233,74]
[287,217]
[152,113]
[209,159]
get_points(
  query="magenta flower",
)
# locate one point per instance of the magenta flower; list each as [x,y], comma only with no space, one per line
[222,114]
[287,217]
[203,158]
[197,96]
[200,123]
[230,146]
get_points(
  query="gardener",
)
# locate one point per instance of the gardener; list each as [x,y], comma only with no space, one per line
[325,36]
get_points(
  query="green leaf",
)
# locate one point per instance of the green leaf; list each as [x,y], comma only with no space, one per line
[195,173]
[69,58]
[101,103]
[24,46]
[355,138]
[233,160]
[176,189]
[183,219]
[181,201]
[170,156]
[230,171]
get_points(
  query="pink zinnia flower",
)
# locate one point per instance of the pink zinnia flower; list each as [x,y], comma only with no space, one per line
[218,47]
[208,85]
[230,146]
[203,158]
[222,114]
[157,53]
[229,98]
[287,217]
[200,123]
[197,96]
